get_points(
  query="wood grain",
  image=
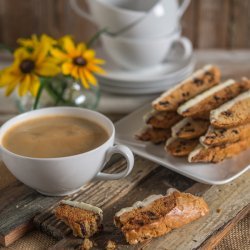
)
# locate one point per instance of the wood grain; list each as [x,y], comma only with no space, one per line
[209,23]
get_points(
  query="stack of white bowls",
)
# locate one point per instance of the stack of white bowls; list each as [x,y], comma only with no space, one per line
[143,43]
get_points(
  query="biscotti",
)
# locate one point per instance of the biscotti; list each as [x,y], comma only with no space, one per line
[84,219]
[200,105]
[218,153]
[163,119]
[158,215]
[189,128]
[233,113]
[180,147]
[198,82]
[219,136]
[154,135]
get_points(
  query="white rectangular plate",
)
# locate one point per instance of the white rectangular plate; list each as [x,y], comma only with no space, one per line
[214,174]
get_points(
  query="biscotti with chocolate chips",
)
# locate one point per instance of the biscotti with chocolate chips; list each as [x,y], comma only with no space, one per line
[201,105]
[198,82]
[158,215]
[232,113]
[162,119]
[84,219]
[218,136]
[154,135]
[189,128]
[218,153]
[180,147]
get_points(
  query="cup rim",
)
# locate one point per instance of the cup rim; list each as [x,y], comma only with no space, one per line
[25,117]
[128,11]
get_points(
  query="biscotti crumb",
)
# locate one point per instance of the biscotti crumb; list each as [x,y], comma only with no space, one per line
[111,245]
[87,244]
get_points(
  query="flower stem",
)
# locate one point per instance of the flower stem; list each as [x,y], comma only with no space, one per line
[95,37]
[38,96]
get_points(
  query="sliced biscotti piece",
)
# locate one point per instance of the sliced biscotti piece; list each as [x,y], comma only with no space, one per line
[233,113]
[154,135]
[162,119]
[158,214]
[84,219]
[200,105]
[189,128]
[198,82]
[219,136]
[218,153]
[180,147]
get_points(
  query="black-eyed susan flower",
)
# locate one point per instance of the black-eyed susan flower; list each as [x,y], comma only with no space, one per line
[26,69]
[78,61]
[34,41]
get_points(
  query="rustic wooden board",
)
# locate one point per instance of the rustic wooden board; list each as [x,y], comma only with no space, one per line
[226,203]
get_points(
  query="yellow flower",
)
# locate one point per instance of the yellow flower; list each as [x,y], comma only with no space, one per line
[27,67]
[34,41]
[78,61]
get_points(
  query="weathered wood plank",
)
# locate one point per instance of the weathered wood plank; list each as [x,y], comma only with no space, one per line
[225,202]
[19,20]
[189,22]
[222,232]
[19,204]
[213,23]
[240,25]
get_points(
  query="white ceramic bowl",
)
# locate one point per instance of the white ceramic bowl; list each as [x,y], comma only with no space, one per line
[64,175]
[134,54]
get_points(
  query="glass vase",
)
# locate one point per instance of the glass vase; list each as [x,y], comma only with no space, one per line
[62,92]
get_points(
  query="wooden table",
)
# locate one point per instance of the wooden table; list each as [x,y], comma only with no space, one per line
[21,208]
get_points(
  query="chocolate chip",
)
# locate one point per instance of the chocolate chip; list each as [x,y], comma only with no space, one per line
[164,103]
[151,215]
[235,131]
[190,130]
[83,229]
[227,113]
[188,124]
[208,73]
[139,222]
[216,98]
[197,82]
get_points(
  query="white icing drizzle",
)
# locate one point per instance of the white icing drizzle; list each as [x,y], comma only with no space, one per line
[148,115]
[194,75]
[202,138]
[145,202]
[194,101]
[195,152]
[170,140]
[178,126]
[84,206]
[214,114]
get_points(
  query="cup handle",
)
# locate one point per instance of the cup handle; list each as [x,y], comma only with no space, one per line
[74,5]
[125,152]
[183,7]
[187,48]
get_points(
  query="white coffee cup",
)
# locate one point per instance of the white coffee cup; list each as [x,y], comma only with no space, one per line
[64,175]
[160,21]
[135,54]
[108,16]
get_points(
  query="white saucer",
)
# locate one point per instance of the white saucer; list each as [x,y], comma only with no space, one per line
[153,80]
